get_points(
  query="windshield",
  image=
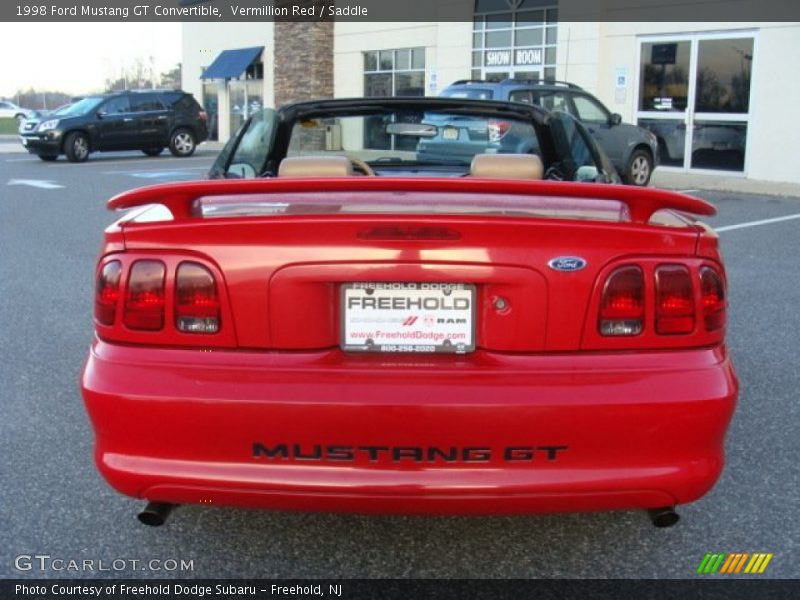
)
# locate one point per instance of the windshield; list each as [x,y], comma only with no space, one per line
[255,140]
[412,138]
[433,138]
[385,140]
[575,148]
[81,107]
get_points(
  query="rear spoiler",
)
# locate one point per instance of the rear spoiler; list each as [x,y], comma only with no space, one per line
[642,202]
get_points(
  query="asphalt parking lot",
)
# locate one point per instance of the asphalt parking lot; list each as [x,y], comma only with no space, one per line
[53,502]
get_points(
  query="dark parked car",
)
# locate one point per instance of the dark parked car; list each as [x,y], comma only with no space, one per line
[633,150]
[147,120]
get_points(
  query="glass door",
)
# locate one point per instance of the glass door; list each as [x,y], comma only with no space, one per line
[211,106]
[664,96]
[237,95]
[694,95]
[721,103]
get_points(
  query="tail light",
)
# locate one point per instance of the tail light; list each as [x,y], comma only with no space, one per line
[203,115]
[674,300]
[712,300]
[107,293]
[622,304]
[144,298]
[498,129]
[197,308]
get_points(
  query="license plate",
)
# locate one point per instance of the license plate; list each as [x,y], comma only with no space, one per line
[450,133]
[408,317]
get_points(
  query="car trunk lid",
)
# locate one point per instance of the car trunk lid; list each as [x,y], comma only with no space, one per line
[287,248]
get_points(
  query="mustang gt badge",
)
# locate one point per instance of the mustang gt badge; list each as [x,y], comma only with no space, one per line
[567,263]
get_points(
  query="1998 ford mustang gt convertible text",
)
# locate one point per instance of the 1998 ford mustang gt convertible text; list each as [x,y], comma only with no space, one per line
[395,312]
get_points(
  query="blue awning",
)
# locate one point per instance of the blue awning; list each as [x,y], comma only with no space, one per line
[232,63]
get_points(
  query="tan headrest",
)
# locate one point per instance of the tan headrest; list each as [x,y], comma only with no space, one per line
[315,166]
[507,166]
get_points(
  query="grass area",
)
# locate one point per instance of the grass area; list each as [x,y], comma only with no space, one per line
[8,126]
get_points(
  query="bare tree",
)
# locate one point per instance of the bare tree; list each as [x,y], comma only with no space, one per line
[172,79]
[41,99]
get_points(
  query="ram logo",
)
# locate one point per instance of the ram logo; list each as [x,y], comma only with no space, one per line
[567,263]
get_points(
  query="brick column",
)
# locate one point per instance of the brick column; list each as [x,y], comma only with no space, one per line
[303,67]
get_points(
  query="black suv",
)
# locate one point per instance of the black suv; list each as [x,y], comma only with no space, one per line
[633,150]
[146,120]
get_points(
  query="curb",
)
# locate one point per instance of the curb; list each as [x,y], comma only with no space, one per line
[723,183]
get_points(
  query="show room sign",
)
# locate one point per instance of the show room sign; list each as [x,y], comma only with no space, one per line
[522,56]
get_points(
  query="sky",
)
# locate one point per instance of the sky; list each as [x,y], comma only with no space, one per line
[77,58]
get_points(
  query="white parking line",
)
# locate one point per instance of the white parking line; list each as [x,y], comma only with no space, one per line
[756,223]
[136,171]
[687,191]
[42,184]
[102,163]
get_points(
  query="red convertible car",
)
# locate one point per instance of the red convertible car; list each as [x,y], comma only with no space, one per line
[410,306]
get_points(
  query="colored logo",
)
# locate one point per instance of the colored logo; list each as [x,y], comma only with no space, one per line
[734,562]
[567,263]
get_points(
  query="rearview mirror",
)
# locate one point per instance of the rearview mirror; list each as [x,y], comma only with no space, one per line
[616,119]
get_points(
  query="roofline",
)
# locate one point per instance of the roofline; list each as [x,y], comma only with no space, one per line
[537,83]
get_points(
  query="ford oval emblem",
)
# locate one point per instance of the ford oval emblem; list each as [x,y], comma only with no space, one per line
[567,263]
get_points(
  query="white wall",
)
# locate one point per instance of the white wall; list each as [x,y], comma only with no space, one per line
[447,57]
[774,125]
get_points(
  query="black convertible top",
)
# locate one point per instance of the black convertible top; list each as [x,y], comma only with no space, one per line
[460,106]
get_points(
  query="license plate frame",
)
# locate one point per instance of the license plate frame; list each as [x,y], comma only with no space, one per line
[408,317]
[450,134]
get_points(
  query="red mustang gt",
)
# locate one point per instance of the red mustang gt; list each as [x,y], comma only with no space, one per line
[401,306]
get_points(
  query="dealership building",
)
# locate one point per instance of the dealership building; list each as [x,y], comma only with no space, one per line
[717,94]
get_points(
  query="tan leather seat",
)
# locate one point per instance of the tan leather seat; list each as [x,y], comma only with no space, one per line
[507,166]
[315,166]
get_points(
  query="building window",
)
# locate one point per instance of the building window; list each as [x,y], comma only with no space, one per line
[246,98]
[394,72]
[255,70]
[211,106]
[246,94]
[514,39]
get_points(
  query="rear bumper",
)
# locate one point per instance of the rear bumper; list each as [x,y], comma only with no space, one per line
[484,433]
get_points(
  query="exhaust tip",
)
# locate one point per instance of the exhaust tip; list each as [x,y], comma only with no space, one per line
[663,517]
[155,514]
